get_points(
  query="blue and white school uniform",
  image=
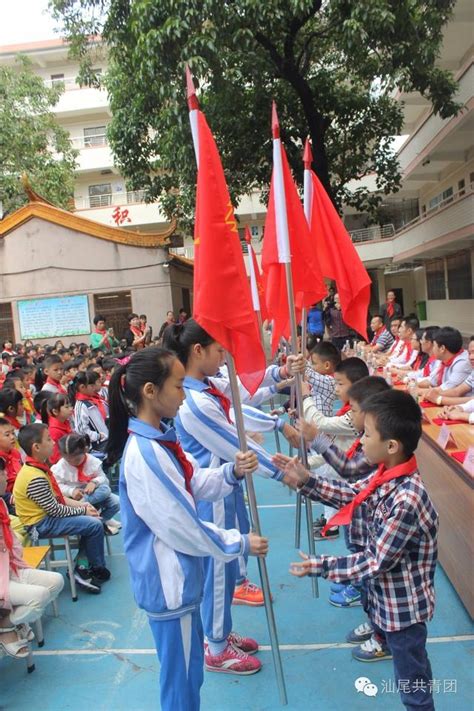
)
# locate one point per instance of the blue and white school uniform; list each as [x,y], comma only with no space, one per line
[166,543]
[207,435]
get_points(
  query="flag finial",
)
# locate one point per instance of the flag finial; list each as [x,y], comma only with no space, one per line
[275,123]
[307,155]
[191,90]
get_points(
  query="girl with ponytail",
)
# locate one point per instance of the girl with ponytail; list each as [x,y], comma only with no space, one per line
[165,540]
[204,425]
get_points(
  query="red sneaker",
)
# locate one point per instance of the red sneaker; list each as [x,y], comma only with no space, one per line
[248,594]
[245,644]
[232,661]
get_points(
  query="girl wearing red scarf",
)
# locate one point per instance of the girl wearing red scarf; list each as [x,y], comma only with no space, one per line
[25,591]
[11,405]
[90,410]
[58,418]
[9,452]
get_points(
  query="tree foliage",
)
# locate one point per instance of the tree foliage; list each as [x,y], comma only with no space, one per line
[31,141]
[332,66]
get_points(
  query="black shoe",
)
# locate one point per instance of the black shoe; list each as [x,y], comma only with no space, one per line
[84,578]
[100,574]
[319,523]
[330,534]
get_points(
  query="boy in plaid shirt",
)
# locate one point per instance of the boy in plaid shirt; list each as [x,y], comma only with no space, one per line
[319,375]
[398,562]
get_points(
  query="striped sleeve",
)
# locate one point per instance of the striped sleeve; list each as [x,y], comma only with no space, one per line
[38,490]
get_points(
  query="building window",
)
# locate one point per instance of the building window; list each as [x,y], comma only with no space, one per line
[461,187]
[57,79]
[6,322]
[254,230]
[94,136]
[186,300]
[435,279]
[114,308]
[459,275]
[445,197]
[100,195]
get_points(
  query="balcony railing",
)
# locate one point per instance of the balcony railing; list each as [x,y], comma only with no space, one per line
[93,201]
[455,197]
[67,82]
[372,233]
[81,142]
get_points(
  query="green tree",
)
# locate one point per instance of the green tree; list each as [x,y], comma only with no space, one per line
[333,68]
[31,141]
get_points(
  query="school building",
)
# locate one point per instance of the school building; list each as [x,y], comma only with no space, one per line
[58,269]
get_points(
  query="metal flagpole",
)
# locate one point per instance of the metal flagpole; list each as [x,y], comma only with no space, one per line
[284,257]
[262,565]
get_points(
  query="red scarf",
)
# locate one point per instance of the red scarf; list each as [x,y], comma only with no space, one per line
[81,475]
[377,335]
[138,333]
[7,532]
[95,400]
[12,466]
[16,424]
[394,345]
[381,476]
[223,400]
[427,369]
[445,365]
[390,308]
[353,449]
[106,341]
[44,468]
[57,385]
[57,429]
[345,408]
[417,362]
[409,350]
[183,461]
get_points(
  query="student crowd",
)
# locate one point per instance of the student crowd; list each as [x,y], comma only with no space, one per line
[68,415]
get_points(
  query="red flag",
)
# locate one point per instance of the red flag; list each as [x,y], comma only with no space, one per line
[308,284]
[222,300]
[256,281]
[339,259]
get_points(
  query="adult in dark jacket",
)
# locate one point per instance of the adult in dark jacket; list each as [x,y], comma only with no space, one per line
[390,309]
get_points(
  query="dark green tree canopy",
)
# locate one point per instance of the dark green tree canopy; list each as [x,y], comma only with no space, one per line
[332,66]
[31,141]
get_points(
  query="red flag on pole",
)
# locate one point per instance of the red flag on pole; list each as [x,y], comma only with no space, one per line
[222,300]
[337,255]
[287,239]
[256,281]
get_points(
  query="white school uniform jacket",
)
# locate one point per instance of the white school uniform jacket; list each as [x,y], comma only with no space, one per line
[164,539]
[205,432]
[66,474]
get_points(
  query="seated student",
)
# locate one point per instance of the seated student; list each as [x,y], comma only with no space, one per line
[80,476]
[455,367]
[458,394]
[351,464]
[325,357]
[407,330]
[418,359]
[49,375]
[165,540]
[46,513]
[9,452]
[394,349]
[431,364]
[340,426]
[90,411]
[70,370]
[57,412]
[400,551]
[382,339]
[11,405]
[24,591]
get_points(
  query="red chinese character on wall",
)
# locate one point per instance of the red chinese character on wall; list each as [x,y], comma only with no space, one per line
[120,216]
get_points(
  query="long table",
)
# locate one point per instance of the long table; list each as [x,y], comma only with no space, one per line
[451,489]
